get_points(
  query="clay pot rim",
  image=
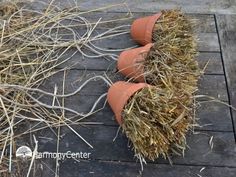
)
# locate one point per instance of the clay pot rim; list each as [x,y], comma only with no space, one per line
[142,28]
[125,97]
[136,72]
[150,27]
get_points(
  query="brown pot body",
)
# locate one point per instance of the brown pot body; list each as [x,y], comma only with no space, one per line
[118,95]
[130,62]
[142,28]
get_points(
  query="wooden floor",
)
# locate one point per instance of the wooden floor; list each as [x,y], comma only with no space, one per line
[217,34]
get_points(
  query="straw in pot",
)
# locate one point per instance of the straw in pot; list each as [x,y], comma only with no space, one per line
[156,122]
[167,66]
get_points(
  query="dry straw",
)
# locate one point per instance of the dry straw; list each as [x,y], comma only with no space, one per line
[171,61]
[174,24]
[33,43]
[157,120]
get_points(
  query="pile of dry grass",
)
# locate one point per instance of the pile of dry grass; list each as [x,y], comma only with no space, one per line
[178,29]
[171,62]
[156,121]
[166,67]
[32,45]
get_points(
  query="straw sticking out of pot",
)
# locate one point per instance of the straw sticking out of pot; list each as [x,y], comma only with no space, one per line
[156,121]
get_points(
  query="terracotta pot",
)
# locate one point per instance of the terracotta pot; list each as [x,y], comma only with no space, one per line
[118,95]
[130,62]
[142,28]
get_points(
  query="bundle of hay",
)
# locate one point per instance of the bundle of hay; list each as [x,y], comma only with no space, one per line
[157,119]
[32,45]
[167,66]
[172,60]
[171,66]
[177,28]
[156,122]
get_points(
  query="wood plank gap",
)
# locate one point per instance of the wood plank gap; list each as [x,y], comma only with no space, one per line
[226,80]
[214,74]
[161,163]
[209,51]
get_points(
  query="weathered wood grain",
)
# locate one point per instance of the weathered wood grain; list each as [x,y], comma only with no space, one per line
[101,138]
[215,64]
[82,63]
[101,168]
[209,115]
[119,169]
[227,29]
[207,6]
[208,42]
[214,116]
[205,23]
[211,85]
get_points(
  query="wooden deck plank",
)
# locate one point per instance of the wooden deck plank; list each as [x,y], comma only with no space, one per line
[205,23]
[210,116]
[215,64]
[227,28]
[211,85]
[119,169]
[101,137]
[96,168]
[208,42]
[201,6]
[82,63]
[214,116]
